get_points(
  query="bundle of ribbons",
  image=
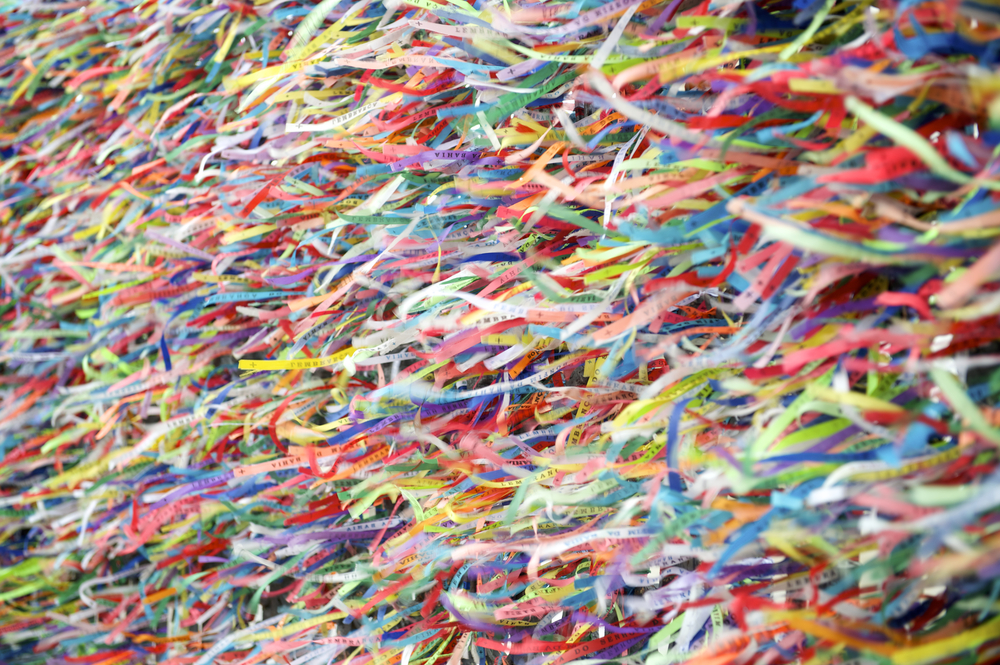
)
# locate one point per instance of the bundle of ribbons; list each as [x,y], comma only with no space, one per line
[430,332]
